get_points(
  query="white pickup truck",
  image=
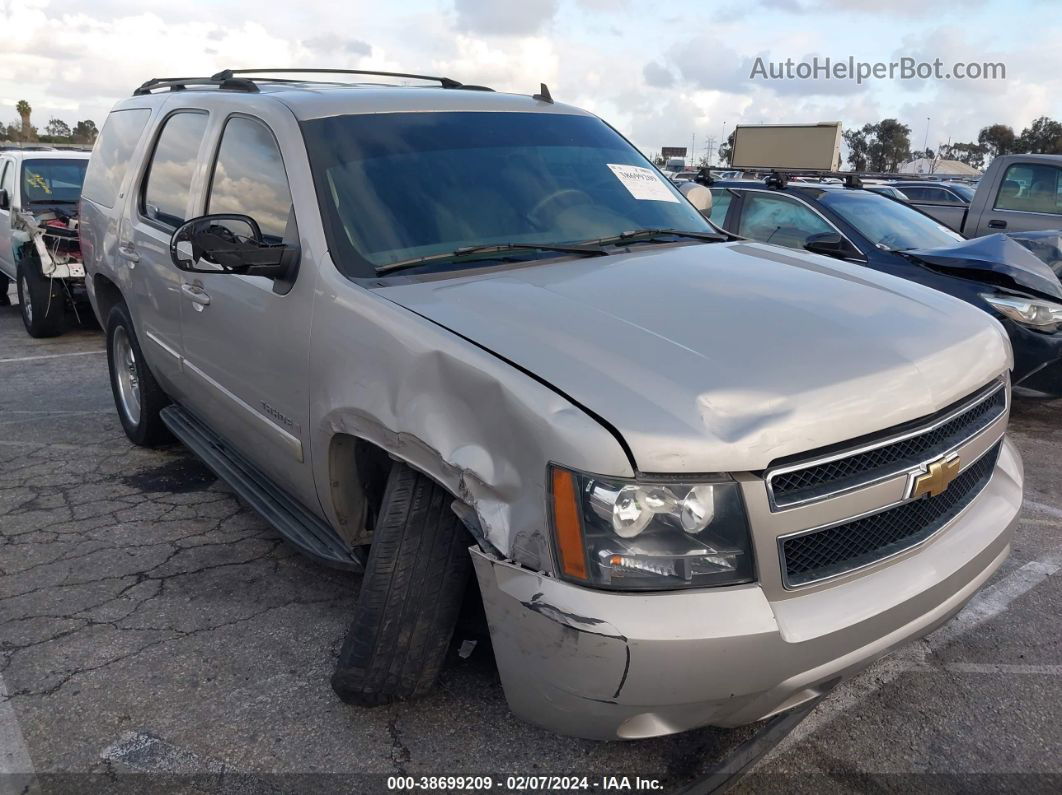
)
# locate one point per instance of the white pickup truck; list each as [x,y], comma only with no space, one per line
[39,247]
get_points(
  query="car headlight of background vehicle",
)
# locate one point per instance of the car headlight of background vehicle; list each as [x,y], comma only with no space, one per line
[1031,312]
[649,535]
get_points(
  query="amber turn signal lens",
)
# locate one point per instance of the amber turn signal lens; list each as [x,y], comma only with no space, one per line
[567,526]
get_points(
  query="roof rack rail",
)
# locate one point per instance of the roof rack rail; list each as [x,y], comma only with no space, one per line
[779,177]
[445,82]
[181,83]
[936,176]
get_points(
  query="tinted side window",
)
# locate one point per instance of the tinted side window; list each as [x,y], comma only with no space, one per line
[249,178]
[942,195]
[778,220]
[169,181]
[110,158]
[720,204]
[1031,188]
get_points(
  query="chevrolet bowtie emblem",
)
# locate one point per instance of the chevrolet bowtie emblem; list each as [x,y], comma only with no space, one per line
[938,475]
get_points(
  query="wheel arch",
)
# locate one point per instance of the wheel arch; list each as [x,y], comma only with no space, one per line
[105,296]
[358,469]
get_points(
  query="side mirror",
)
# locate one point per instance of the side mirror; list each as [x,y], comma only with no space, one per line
[699,196]
[226,243]
[5,200]
[831,244]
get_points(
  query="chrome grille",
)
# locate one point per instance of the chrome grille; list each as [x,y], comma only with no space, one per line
[828,552]
[895,451]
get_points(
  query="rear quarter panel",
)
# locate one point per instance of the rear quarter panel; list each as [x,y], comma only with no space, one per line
[100,227]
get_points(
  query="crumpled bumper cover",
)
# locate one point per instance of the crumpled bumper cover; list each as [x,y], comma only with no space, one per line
[1037,358]
[606,665]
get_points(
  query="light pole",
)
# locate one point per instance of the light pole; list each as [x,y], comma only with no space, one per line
[925,142]
[722,141]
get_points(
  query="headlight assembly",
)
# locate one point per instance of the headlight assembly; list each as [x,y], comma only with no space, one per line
[1032,312]
[649,535]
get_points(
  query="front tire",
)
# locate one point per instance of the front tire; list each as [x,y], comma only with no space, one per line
[411,595]
[41,300]
[137,395]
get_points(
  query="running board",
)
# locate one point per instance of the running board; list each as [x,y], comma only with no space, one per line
[304,531]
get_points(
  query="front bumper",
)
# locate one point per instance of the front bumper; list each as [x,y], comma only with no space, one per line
[605,665]
[1037,358]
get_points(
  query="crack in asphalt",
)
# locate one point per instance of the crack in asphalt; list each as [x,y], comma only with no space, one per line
[83,552]
[400,754]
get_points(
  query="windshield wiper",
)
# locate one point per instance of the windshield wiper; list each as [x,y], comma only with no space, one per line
[637,235]
[582,249]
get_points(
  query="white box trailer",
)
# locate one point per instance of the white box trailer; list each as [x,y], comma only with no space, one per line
[794,146]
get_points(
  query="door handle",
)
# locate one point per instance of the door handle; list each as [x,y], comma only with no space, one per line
[995,223]
[196,294]
[128,251]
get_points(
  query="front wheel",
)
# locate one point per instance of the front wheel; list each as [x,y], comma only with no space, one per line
[41,300]
[137,396]
[415,581]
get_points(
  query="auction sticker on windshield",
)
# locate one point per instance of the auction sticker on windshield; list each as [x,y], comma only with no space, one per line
[643,183]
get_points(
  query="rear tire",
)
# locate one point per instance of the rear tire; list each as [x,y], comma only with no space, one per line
[41,300]
[137,395]
[411,595]
[5,283]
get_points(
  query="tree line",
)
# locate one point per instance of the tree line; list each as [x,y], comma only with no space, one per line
[885,146]
[56,131]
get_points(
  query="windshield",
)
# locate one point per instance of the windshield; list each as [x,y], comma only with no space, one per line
[399,186]
[963,190]
[52,181]
[888,224]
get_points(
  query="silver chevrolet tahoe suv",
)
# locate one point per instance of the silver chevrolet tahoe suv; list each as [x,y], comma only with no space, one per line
[428,328]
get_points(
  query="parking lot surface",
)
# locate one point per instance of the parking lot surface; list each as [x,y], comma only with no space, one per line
[155,631]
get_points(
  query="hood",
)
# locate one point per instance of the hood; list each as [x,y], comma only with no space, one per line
[725,356]
[998,254]
[1046,245]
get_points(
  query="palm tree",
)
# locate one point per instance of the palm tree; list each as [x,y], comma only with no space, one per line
[24,110]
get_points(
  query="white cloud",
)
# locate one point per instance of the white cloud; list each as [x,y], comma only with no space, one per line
[659,75]
[495,16]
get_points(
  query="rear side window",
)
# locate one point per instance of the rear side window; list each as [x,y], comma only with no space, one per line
[915,194]
[720,204]
[778,220]
[114,149]
[940,195]
[1031,188]
[249,179]
[169,181]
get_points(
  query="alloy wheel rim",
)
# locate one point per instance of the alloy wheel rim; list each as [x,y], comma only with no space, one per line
[126,375]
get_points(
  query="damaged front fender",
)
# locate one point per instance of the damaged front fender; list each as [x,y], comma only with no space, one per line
[474,423]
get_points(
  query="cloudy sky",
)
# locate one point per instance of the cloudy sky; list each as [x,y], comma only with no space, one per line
[662,72]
